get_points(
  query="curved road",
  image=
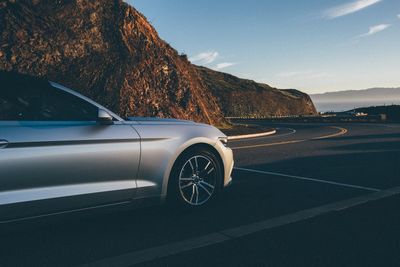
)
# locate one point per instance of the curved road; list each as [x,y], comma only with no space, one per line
[349,153]
[279,181]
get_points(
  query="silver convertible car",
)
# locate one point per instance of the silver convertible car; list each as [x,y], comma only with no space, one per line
[62,152]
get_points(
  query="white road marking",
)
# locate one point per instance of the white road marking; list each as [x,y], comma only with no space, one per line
[292,131]
[309,179]
[248,136]
[171,249]
[341,132]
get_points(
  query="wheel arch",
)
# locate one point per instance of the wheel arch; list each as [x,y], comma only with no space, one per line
[206,146]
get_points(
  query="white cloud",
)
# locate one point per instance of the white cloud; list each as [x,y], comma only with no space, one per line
[224,65]
[375,29]
[205,57]
[398,16]
[349,8]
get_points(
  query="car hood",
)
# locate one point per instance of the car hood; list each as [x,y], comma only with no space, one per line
[209,129]
[153,120]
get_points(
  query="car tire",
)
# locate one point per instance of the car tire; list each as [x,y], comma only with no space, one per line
[196,179]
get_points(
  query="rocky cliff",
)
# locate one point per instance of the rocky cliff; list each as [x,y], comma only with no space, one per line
[239,97]
[106,50]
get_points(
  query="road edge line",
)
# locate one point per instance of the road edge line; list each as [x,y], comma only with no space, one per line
[174,248]
[308,179]
[246,136]
[342,131]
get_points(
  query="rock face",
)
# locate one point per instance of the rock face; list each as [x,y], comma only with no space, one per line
[239,97]
[106,50]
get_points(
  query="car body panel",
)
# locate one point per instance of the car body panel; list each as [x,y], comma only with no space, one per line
[161,146]
[49,167]
[47,160]
[159,121]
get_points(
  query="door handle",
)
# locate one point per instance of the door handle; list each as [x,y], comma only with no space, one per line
[3,143]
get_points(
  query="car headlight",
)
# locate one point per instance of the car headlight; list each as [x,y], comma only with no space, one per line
[223,140]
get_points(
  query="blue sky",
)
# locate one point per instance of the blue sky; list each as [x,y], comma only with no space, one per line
[316,46]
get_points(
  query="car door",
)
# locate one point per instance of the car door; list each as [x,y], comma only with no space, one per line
[55,156]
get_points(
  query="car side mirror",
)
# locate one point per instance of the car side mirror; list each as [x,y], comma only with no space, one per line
[104,118]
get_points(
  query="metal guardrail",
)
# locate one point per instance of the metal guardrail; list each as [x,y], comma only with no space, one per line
[319,118]
[275,117]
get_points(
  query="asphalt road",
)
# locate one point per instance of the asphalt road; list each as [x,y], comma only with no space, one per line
[311,195]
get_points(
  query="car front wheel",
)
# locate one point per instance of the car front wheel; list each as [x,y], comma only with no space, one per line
[196,178]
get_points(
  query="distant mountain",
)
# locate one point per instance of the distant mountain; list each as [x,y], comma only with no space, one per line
[240,97]
[345,100]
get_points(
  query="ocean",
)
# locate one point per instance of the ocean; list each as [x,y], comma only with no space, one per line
[345,106]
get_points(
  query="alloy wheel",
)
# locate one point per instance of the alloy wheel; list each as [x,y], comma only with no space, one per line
[197,180]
